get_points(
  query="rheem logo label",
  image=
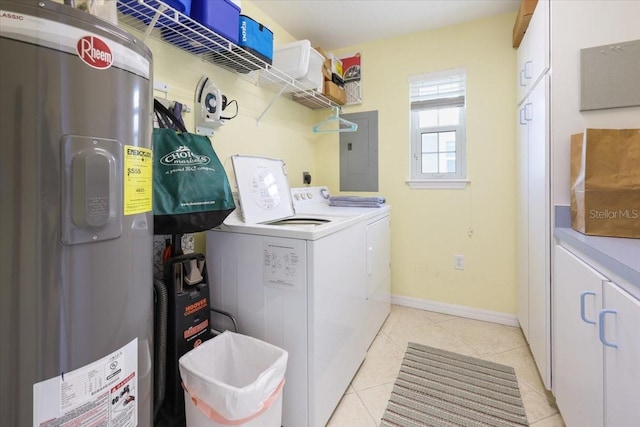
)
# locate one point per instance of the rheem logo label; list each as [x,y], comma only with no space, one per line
[94,52]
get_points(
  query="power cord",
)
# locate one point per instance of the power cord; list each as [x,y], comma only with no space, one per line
[225,104]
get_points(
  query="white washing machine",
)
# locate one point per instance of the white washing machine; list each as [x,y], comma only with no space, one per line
[307,277]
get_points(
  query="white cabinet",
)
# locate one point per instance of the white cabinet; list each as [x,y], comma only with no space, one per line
[378,282]
[523,63]
[534,226]
[522,223]
[538,213]
[596,341]
[619,322]
[533,233]
[533,53]
[577,354]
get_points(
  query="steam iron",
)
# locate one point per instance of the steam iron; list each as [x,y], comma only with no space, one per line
[208,106]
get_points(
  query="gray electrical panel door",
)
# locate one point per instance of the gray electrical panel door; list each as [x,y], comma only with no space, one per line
[359,153]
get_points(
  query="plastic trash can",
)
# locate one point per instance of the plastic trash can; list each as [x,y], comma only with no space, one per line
[233,379]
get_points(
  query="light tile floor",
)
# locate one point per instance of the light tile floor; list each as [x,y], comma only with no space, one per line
[365,400]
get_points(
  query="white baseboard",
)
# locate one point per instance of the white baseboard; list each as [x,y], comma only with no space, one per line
[457,310]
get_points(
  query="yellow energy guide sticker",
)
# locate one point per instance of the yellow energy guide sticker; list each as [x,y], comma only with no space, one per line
[138,180]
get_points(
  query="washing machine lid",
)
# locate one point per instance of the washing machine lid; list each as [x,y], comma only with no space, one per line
[263,189]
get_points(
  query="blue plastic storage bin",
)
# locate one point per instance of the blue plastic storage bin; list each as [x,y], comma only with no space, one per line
[191,41]
[254,41]
[221,16]
[256,38]
[145,14]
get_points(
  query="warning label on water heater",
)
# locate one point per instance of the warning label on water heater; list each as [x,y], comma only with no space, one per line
[102,393]
[138,180]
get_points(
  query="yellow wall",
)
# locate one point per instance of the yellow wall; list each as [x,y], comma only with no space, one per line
[284,132]
[430,226]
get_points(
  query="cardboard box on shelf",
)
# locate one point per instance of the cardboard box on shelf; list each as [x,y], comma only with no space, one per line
[335,93]
[331,67]
[326,69]
[331,91]
[605,182]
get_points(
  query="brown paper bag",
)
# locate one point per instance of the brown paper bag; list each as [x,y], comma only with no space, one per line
[605,182]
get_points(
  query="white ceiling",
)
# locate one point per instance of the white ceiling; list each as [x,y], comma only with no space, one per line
[341,23]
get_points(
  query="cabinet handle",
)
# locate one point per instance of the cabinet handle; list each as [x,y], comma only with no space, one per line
[527,111]
[522,121]
[522,77]
[603,340]
[526,70]
[369,261]
[582,315]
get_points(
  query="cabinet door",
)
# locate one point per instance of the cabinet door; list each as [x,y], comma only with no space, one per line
[378,255]
[539,241]
[538,44]
[577,361]
[534,242]
[620,324]
[533,53]
[523,62]
[522,232]
[378,287]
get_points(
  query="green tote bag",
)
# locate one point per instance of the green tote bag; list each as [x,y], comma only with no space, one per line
[191,191]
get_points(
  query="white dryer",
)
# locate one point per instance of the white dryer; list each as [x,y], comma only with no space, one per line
[309,278]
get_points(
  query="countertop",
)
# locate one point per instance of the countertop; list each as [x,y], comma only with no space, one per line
[619,255]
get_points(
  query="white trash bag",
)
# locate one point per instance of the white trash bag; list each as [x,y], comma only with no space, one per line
[233,379]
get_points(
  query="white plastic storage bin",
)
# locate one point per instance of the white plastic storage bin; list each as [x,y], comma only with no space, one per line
[233,379]
[300,61]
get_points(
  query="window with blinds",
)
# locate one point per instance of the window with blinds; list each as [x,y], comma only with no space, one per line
[438,143]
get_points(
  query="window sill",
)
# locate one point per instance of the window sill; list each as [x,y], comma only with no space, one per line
[438,184]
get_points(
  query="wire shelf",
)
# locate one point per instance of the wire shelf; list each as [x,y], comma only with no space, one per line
[161,22]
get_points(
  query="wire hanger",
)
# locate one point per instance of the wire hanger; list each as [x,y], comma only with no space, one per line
[350,126]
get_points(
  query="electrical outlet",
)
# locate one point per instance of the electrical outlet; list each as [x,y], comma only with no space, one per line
[458,262]
[306,178]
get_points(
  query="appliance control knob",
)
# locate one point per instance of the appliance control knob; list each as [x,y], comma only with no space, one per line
[304,196]
[297,196]
[309,196]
